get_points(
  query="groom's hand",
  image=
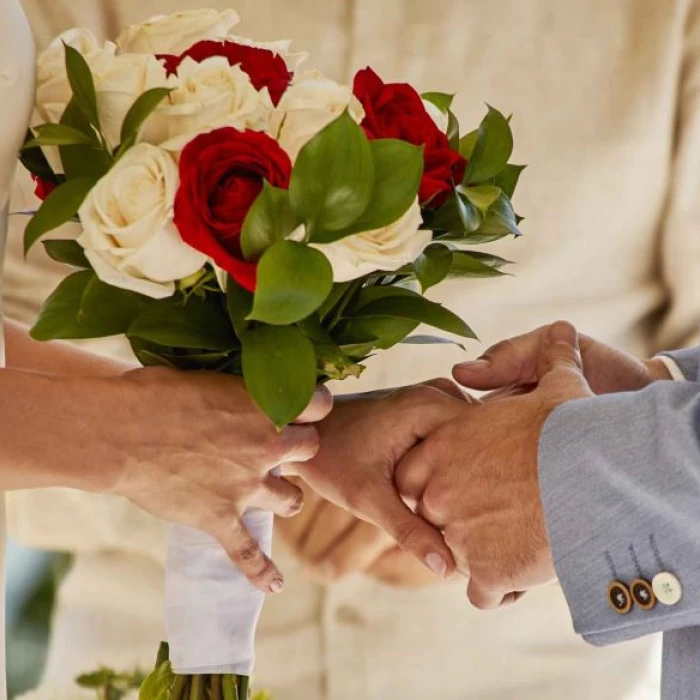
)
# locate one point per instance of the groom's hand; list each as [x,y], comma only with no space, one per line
[512,364]
[476,479]
[362,441]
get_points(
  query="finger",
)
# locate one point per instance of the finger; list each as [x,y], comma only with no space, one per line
[292,530]
[412,474]
[413,534]
[279,496]
[298,443]
[360,547]
[508,392]
[447,386]
[559,359]
[327,528]
[511,361]
[320,406]
[246,554]
[485,597]
[395,568]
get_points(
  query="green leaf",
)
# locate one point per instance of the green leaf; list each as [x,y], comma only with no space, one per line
[398,170]
[468,265]
[239,303]
[430,340]
[333,299]
[60,135]
[416,308]
[382,332]
[199,323]
[333,178]
[456,215]
[34,160]
[269,220]
[493,148]
[84,307]
[67,252]
[441,100]
[453,130]
[467,144]
[82,161]
[279,368]
[489,259]
[433,265]
[142,108]
[57,209]
[481,196]
[508,179]
[82,84]
[293,281]
[158,685]
[499,222]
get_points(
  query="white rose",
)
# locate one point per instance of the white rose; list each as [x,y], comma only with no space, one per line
[386,249]
[119,81]
[440,118]
[128,232]
[174,34]
[206,96]
[311,103]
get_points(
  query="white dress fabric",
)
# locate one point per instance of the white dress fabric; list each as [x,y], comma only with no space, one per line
[16,89]
[606,104]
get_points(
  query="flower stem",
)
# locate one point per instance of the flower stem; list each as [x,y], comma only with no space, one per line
[197,688]
[215,688]
[177,692]
[243,687]
[229,687]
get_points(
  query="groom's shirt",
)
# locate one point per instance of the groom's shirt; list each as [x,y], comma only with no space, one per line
[620,481]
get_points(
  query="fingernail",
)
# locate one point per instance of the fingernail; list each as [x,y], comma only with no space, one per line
[481,364]
[437,564]
[562,332]
[277,586]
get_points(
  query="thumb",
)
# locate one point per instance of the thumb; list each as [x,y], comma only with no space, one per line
[559,362]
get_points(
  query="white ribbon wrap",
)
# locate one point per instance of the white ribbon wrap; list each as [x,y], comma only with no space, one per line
[211,608]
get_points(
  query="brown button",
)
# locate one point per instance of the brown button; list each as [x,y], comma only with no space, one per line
[619,597]
[643,594]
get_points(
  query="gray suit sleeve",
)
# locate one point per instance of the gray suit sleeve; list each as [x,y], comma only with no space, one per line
[620,484]
[688,361]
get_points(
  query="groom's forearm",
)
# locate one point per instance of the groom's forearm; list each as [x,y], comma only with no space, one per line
[25,353]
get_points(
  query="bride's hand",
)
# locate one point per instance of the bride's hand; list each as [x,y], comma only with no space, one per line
[362,440]
[197,451]
[513,363]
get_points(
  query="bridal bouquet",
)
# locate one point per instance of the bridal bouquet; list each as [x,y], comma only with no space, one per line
[239,215]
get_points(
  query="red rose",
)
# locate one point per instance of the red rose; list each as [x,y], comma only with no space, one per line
[221,175]
[43,187]
[265,68]
[396,111]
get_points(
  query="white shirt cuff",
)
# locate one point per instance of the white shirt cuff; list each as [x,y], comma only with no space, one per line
[673,369]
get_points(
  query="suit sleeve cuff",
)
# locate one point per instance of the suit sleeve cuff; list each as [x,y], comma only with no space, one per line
[673,369]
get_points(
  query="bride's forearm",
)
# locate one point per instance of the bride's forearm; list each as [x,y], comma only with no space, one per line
[58,431]
[25,353]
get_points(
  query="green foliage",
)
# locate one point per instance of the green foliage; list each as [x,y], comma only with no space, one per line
[110,684]
[57,209]
[293,281]
[270,219]
[492,150]
[84,307]
[81,161]
[201,324]
[333,178]
[140,111]
[499,222]
[159,684]
[507,180]
[441,100]
[457,215]
[279,368]
[60,135]
[481,196]
[82,85]
[34,160]
[471,265]
[67,252]
[433,266]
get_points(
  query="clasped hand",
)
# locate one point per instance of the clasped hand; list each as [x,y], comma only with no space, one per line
[454,480]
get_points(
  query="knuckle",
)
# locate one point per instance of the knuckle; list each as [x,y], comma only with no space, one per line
[249,554]
[406,534]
